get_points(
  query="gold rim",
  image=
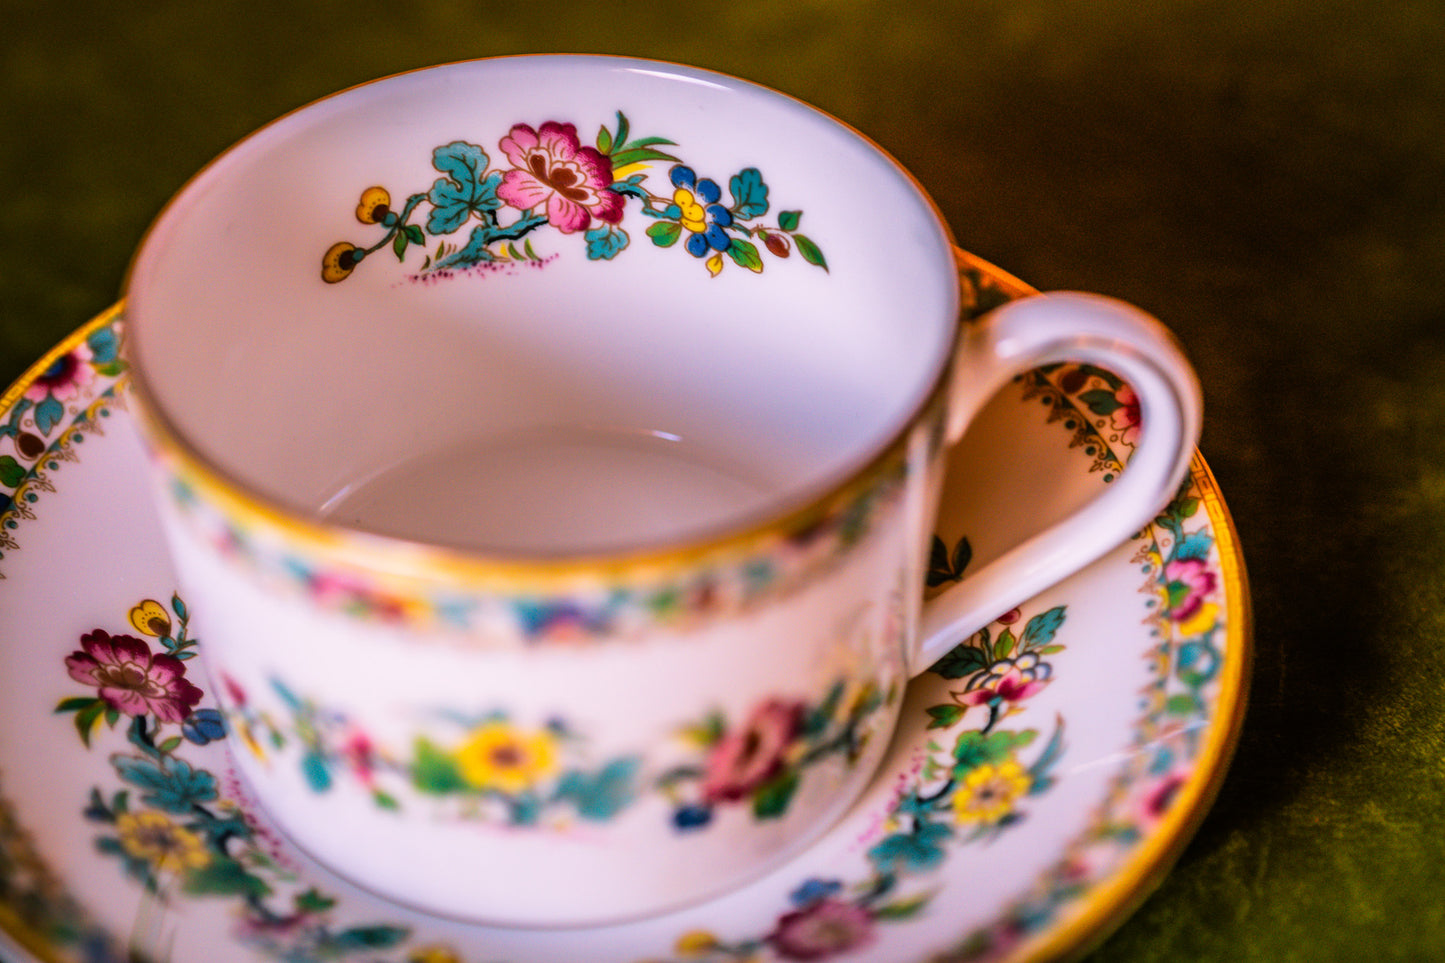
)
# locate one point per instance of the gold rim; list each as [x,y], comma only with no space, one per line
[1109,905]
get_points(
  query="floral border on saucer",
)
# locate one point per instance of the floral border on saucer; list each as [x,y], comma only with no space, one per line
[48,414]
[824,918]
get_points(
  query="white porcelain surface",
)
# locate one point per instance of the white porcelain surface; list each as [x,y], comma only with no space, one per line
[1121,739]
[560,262]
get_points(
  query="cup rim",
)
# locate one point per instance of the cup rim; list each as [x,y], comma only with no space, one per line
[401,557]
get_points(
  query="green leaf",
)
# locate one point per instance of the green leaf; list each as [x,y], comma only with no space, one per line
[974,749]
[664,233]
[639,155]
[12,473]
[223,876]
[87,718]
[1184,704]
[604,140]
[944,716]
[76,702]
[745,254]
[314,901]
[414,234]
[810,251]
[434,771]
[623,129]
[772,798]
[170,745]
[902,909]
[398,244]
[1101,401]
[1005,644]
[961,660]
[788,220]
[385,800]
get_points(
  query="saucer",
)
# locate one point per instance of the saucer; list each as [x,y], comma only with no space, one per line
[1044,776]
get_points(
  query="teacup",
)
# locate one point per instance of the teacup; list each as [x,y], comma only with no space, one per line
[548,447]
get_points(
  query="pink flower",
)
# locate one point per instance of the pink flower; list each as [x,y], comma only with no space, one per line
[748,756]
[822,929]
[65,378]
[1126,419]
[131,679]
[1007,680]
[1189,582]
[552,168]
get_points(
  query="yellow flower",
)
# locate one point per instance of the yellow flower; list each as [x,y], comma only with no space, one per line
[692,216]
[338,262]
[1201,621]
[695,943]
[155,838]
[497,756]
[375,203]
[151,618]
[433,954]
[989,792]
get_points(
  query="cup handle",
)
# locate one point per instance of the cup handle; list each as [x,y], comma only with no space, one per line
[1048,329]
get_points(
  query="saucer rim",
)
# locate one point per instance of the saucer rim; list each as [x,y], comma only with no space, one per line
[1107,906]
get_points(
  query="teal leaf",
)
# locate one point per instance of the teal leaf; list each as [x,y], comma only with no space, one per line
[316,771]
[466,189]
[810,251]
[601,795]
[1195,546]
[605,241]
[788,220]
[172,785]
[664,233]
[178,607]
[104,345]
[364,938]
[48,414]
[750,194]
[917,851]
[1042,628]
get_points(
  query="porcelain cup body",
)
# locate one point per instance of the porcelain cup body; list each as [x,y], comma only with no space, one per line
[548,448]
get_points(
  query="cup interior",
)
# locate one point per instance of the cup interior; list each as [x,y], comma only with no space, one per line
[544,305]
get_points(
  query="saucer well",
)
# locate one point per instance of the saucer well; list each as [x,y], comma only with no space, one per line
[1045,775]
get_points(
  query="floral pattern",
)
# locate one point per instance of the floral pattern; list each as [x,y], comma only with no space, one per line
[64,402]
[499,770]
[171,825]
[975,767]
[968,790]
[553,180]
[777,562]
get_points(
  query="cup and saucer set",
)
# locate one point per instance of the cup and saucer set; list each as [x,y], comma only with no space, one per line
[594,512]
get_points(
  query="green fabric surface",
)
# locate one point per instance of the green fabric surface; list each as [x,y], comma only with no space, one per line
[1267,177]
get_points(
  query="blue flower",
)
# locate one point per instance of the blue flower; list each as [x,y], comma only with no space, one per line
[815,890]
[695,205]
[203,726]
[692,817]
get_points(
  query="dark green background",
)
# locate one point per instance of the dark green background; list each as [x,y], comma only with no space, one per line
[1268,177]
